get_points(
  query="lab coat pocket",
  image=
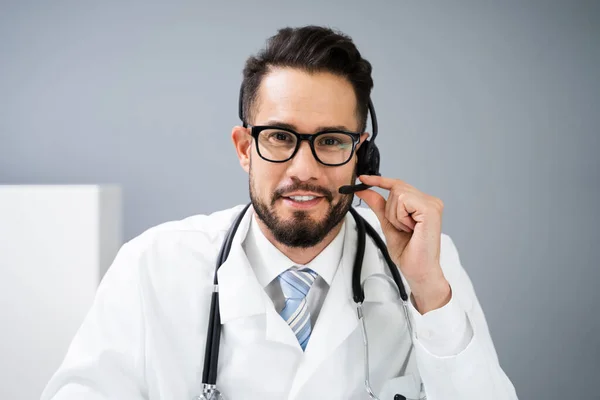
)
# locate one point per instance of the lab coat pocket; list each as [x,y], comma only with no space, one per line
[407,385]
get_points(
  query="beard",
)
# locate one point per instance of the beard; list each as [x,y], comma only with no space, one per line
[301,231]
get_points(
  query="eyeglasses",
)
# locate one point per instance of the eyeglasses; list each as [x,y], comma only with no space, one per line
[331,148]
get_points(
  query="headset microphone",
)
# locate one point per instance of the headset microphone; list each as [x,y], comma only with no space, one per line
[351,189]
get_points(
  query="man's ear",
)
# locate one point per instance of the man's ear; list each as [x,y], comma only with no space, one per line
[242,140]
[363,137]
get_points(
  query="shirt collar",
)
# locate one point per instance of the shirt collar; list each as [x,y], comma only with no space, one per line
[269,262]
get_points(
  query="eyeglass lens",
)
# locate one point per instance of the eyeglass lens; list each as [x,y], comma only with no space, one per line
[330,148]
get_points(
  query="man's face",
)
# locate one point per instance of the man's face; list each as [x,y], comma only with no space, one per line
[308,103]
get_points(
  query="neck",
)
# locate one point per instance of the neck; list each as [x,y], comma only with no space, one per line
[300,255]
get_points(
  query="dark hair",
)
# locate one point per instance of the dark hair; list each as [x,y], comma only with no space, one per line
[313,49]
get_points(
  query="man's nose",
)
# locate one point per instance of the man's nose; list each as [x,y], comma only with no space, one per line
[304,166]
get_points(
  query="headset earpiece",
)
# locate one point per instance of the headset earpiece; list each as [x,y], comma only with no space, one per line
[368,159]
[368,153]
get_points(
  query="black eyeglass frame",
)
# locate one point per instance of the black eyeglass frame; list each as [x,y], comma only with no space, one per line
[256,130]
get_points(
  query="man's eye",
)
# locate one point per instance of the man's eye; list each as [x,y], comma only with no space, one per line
[280,136]
[330,142]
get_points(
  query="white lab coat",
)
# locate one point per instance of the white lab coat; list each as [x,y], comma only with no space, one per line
[144,337]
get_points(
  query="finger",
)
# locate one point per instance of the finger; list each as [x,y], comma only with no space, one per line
[406,205]
[375,201]
[380,181]
[391,212]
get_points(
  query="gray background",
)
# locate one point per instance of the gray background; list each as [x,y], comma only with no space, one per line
[493,107]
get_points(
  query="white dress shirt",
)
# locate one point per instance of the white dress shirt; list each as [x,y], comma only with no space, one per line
[443,332]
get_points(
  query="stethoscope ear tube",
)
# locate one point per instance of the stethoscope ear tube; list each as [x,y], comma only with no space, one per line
[386,255]
[212,375]
[363,226]
[209,340]
[357,291]
[213,334]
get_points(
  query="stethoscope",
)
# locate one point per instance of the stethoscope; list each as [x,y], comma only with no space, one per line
[213,337]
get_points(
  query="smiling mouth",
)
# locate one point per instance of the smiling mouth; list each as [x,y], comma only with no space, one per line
[302,202]
[303,195]
[302,199]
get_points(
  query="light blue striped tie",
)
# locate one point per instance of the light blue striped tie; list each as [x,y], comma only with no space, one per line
[295,285]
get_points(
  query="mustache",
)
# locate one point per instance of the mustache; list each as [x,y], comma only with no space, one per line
[304,187]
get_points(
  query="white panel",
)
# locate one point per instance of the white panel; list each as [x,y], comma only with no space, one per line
[55,242]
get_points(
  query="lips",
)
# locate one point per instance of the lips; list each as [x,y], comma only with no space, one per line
[302,202]
[302,199]
[301,192]
[302,195]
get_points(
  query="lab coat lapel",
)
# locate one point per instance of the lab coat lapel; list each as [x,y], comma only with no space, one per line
[337,319]
[241,295]
[277,328]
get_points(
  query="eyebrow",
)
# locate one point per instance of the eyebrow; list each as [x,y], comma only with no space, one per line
[292,127]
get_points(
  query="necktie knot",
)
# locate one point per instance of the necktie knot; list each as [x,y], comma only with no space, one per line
[296,283]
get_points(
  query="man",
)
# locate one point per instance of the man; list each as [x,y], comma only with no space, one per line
[289,323]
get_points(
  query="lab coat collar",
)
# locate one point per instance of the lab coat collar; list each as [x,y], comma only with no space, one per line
[266,260]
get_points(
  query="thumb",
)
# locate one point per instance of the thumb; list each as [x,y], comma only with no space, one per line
[375,201]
